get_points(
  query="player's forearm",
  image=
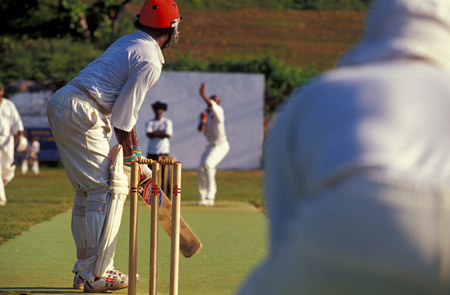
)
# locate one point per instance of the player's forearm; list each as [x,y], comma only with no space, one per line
[125,139]
[206,99]
[161,134]
[158,134]
[203,95]
[19,133]
[134,137]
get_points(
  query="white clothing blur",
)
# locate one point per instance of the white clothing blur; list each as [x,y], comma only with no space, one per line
[31,157]
[358,169]
[157,145]
[10,121]
[10,124]
[32,150]
[215,124]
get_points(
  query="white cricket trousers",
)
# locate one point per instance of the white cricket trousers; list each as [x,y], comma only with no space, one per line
[362,237]
[212,156]
[6,161]
[82,135]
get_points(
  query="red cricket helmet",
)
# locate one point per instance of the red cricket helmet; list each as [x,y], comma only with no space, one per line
[159,14]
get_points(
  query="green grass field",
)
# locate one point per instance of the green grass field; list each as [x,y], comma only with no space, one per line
[38,259]
[33,199]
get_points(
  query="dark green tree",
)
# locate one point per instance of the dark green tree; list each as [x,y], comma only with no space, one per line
[86,20]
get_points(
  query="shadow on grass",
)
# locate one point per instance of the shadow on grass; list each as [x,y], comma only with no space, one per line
[38,290]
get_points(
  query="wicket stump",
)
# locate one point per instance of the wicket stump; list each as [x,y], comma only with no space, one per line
[175,186]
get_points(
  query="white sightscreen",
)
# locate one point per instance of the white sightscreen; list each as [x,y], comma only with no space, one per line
[242,97]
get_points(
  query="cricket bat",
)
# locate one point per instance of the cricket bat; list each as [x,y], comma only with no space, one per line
[189,243]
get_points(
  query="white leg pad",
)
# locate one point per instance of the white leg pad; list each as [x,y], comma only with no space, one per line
[96,215]
[118,193]
[107,246]
[79,230]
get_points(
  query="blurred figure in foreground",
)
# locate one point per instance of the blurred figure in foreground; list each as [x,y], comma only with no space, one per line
[358,166]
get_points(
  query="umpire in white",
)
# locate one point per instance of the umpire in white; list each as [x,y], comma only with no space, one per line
[114,85]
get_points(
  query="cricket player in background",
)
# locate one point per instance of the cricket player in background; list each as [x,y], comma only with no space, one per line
[158,130]
[31,157]
[114,85]
[358,166]
[212,124]
[11,136]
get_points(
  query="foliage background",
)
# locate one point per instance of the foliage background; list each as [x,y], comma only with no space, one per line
[290,41]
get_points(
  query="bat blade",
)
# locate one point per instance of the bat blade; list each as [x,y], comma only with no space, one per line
[189,243]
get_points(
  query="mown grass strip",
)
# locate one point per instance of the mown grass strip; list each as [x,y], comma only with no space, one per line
[33,199]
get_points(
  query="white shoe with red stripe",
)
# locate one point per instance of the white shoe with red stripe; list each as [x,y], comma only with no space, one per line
[114,280]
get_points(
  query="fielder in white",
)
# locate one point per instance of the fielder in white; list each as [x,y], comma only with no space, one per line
[358,166]
[108,94]
[212,124]
[31,157]
[11,136]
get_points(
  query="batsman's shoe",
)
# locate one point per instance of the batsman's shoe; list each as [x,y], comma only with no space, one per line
[78,281]
[114,280]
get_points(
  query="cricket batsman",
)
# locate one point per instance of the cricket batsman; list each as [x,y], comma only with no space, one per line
[107,95]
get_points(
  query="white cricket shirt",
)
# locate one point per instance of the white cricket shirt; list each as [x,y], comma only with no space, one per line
[157,145]
[10,121]
[215,125]
[120,78]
